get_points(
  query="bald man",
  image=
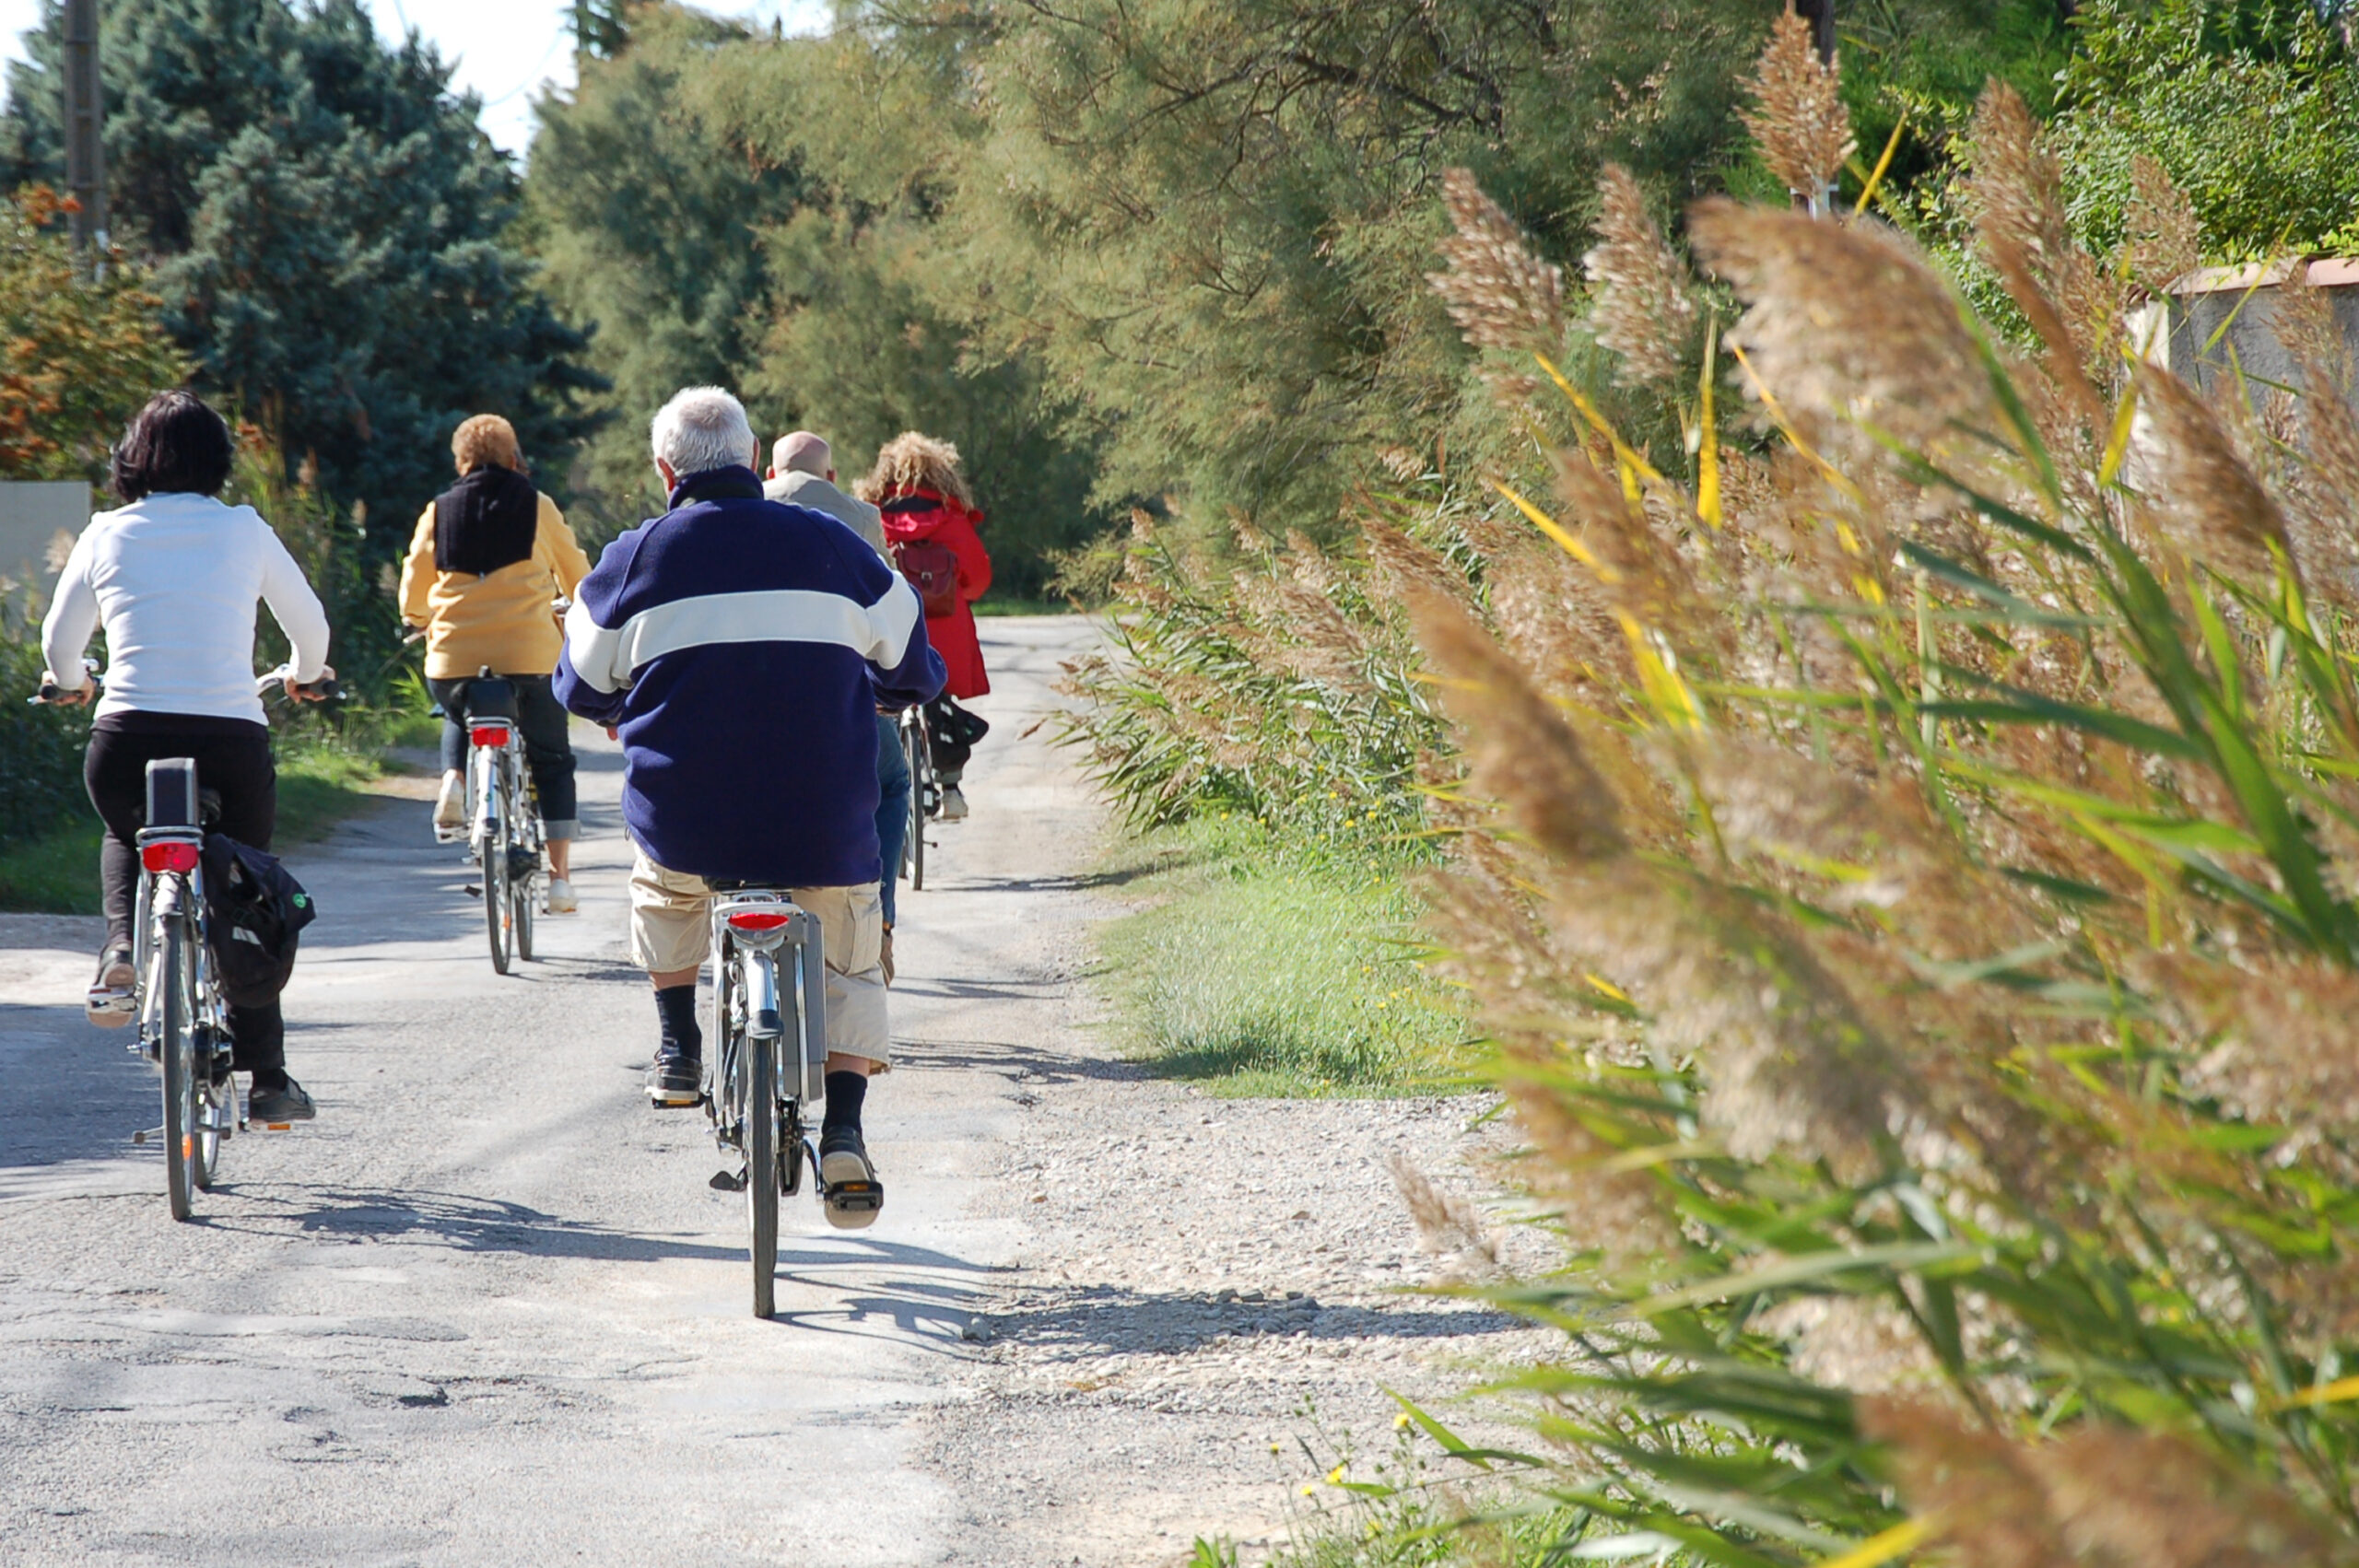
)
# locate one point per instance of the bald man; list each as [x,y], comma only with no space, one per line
[803,474]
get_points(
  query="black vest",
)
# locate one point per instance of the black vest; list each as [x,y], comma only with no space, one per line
[485,521]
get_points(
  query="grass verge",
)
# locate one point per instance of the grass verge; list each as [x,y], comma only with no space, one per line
[320,782]
[1261,969]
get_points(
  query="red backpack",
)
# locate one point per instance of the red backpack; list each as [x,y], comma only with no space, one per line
[933,570]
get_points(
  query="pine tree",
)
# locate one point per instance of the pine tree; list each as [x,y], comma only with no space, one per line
[326,225]
[601,28]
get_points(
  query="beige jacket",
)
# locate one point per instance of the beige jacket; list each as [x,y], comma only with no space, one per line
[799,489]
[504,619]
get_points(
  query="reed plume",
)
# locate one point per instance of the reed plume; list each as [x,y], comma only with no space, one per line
[2197,491]
[1645,307]
[1499,293]
[1846,321]
[2161,236]
[1798,119]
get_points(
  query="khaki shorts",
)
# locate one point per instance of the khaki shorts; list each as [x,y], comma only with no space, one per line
[671,929]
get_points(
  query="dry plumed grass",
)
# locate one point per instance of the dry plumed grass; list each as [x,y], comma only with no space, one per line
[1903,854]
[1798,119]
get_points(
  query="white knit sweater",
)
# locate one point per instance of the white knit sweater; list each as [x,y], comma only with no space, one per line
[174,578]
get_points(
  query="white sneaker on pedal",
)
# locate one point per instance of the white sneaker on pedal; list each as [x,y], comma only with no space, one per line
[561,899]
[451,809]
[113,997]
[953,804]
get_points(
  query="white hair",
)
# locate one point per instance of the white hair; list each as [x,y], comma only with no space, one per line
[703,428]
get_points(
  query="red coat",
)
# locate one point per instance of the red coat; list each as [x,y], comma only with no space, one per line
[922,514]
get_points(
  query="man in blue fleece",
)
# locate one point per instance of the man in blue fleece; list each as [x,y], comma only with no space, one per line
[742,647]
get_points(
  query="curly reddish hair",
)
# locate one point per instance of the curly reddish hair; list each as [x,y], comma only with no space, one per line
[486,437]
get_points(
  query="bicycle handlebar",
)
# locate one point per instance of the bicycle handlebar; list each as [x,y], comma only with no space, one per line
[325,689]
[53,695]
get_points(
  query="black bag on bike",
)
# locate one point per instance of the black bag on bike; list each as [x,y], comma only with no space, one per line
[254,915]
[490,697]
[954,732]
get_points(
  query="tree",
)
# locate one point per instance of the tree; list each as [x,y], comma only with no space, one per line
[736,209]
[647,217]
[327,228]
[77,358]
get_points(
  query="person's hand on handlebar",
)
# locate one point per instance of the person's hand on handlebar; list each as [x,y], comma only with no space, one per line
[58,695]
[319,690]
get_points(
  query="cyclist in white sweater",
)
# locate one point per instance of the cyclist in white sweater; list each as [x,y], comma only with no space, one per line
[173,574]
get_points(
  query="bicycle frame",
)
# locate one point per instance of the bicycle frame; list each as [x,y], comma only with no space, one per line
[748,952]
[504,834]
[168,896]
[769,996]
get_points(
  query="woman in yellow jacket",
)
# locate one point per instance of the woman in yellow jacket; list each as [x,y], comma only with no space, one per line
[491,558]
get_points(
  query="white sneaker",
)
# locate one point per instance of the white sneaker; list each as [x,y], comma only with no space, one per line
[953,804]
[561,901]
[451,807]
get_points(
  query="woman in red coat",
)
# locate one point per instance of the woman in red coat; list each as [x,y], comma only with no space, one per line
[930,523]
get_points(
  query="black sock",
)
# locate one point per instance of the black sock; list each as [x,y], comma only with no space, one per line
[270,1077]
[676,1006]
[846,1094]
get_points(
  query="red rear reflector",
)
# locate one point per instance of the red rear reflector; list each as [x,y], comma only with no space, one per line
[489,735]
[757,920]
[169,857]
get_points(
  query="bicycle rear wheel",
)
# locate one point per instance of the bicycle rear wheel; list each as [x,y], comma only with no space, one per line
[496,912]
[761,1164]
[215,1108]
[176,966]
[920,770]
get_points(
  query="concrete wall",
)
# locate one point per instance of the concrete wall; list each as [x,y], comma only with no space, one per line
[2221,323]
[32,517]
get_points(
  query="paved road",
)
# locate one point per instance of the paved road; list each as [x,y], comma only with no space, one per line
[485,1309]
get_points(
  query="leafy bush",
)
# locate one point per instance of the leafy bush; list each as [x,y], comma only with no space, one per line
[2251,108]
[40,785]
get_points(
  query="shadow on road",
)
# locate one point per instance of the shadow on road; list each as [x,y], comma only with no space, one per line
[1085,1321]
[457,1221]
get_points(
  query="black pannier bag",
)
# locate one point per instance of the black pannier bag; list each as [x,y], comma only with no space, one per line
[254,915]
[953,730]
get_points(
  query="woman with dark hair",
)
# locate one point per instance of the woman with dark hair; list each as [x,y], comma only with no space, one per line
[173,574]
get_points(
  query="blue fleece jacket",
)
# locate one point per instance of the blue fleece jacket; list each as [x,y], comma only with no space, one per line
[742,647]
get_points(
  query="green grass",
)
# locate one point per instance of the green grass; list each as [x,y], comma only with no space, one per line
[1262,970]
[1012,604]
[319,785]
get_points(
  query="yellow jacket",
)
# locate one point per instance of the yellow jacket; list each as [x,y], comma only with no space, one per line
[503,618]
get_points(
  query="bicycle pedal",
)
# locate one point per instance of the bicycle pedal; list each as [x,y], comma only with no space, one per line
[473,890]
[856,1197]
[149,1135]
[727,1181]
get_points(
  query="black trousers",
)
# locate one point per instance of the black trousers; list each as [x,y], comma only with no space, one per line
[548,751]
[233,760]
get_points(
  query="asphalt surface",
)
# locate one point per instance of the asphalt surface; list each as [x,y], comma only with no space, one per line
[485,1309]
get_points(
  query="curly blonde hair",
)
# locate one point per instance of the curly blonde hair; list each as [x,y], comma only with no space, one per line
[912,461]
[486,437]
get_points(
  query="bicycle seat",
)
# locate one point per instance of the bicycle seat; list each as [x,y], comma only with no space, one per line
[733,885]
[176,799]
